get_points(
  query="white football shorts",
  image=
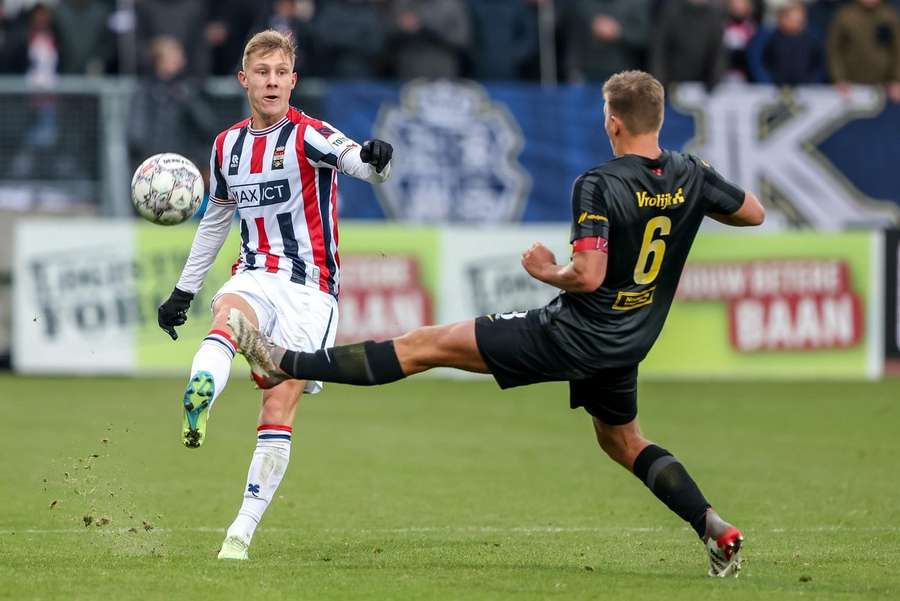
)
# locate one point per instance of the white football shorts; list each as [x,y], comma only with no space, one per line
[294,316]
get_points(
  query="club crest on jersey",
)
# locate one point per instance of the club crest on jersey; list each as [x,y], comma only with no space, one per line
[461,159]
[261,194]
[278,158]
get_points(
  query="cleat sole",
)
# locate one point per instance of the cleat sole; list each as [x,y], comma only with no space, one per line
[197,399]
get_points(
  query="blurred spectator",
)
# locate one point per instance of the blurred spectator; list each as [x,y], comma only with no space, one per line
[819,14]
[295,17]
[740,27]
[33,51]
[85,41]
[350,38]
[688,43]
[184,20]
[230,25]
[32,47]
[168,113]
[22,8]
[792,54]
[506,37]
[864,45]
[428,38]
[605,37]
[5,31]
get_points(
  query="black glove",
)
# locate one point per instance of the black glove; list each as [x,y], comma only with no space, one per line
[173,312]
[377,153]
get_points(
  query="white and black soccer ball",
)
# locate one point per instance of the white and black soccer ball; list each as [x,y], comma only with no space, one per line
[167,189]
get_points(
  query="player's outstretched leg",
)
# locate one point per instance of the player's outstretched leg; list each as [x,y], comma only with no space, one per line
[667,478]
[209,372]
[366,363]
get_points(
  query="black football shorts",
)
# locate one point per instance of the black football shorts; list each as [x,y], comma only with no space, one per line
[518,351]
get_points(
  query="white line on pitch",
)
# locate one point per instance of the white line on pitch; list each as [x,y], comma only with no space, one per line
[461,529]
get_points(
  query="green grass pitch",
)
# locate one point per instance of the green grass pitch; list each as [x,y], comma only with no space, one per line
[433,489]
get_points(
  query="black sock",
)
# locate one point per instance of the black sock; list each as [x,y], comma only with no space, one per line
[363,364]
[669,481]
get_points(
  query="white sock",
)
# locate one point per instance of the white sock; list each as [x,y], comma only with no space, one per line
[270,461]
[215,355]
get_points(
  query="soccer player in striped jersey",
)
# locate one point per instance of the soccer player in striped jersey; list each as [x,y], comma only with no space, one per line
[278,169]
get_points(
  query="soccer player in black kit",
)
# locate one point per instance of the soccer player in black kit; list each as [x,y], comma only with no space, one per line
[633,222]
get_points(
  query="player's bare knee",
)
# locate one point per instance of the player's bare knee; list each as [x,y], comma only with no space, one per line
[220,313]
[420,348]
[223,306]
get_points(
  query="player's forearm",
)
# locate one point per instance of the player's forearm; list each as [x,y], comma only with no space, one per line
[569,278]
[210,236]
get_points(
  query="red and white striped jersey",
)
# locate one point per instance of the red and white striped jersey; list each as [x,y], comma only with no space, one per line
[282,181]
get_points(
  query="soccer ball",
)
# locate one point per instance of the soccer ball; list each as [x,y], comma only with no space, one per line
[166,189]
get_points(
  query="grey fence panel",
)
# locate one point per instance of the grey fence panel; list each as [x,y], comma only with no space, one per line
[65,149]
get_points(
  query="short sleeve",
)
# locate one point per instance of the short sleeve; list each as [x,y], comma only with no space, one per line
[720,195]
[590,218]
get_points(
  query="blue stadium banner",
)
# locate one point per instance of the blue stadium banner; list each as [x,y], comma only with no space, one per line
[467,152]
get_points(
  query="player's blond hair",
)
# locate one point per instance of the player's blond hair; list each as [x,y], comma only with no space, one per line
[268,41]
[638,99]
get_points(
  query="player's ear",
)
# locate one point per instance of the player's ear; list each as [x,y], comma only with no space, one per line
[614,126]
[294,78]
[242,79]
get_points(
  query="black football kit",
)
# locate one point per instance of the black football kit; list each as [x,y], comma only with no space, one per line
[645,213]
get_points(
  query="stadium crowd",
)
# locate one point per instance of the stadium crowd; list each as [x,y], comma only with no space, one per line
[786,42]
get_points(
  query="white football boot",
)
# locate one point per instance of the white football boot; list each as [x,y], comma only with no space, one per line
[723,545]
[234,547]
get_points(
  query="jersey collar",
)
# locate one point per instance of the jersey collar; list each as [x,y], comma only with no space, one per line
[268,130]
[657,162]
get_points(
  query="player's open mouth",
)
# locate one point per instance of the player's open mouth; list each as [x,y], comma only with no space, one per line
[271,98]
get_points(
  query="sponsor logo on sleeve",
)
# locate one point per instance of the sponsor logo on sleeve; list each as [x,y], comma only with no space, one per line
[585,216]
[325,131]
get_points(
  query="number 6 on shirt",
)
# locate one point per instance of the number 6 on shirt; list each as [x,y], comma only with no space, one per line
[652,245]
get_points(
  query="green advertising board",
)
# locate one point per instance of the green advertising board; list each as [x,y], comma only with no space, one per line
[160,254]
[774,306]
